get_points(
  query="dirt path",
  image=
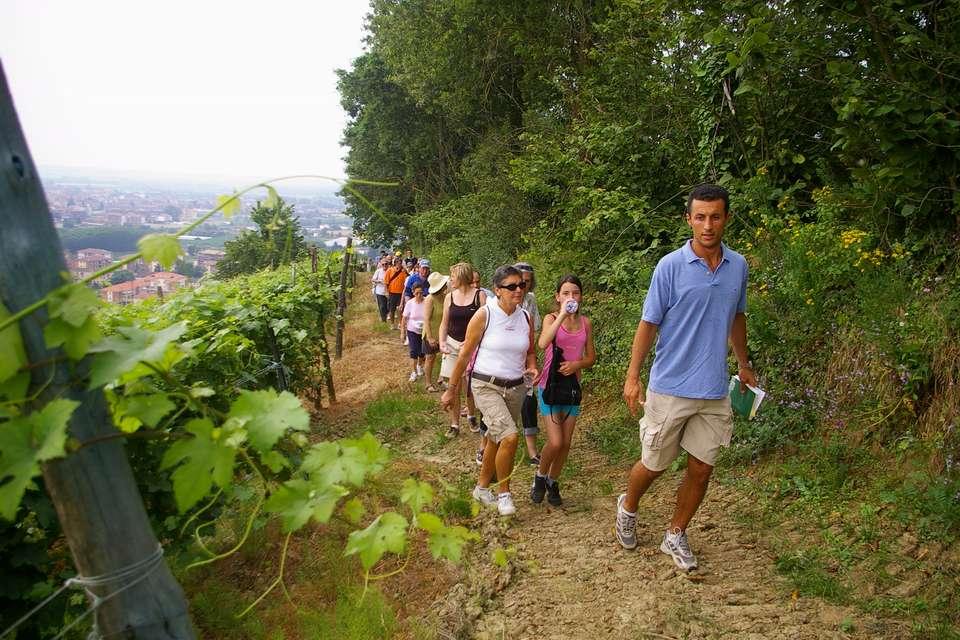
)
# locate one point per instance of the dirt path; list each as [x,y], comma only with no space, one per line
[567,578]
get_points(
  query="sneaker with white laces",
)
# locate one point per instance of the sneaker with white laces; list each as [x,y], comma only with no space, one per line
[419,371]
[484,495]
[626,525]
[505,504]
[676,546]
[413,376]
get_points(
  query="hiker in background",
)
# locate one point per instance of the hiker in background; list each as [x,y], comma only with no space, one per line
[432,317]
[475,281]
[529,411]
[394,282]
[459,307]
[379,281]
[499,350]
[413,315]
[696,302]
[572,334]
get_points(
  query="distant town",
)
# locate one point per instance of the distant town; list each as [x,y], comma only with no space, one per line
[101,218]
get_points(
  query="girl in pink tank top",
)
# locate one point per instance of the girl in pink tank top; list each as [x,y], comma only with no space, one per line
[573,334]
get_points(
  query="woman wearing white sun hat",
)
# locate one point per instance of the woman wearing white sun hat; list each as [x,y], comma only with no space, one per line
[433,314]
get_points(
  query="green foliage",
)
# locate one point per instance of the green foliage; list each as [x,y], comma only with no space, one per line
[279,239]
[125,275]
[386,533]
[27,441]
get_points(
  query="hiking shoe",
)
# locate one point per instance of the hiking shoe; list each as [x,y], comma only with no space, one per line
[479,457]
[534,461]
[676,546]
[485,496]
[413,376]
[453,431]
[505,504]
[626,525]
[539,489]
[474,424]
[553,493]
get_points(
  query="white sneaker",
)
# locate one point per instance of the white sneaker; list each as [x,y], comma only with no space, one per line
[505,504]
[419,371]
[676,546]
[413,376]
[485,496]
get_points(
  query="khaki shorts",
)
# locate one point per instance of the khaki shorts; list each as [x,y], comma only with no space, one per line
[449,360]
[701,427]
[500,407]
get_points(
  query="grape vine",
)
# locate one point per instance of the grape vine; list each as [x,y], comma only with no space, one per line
[189,373]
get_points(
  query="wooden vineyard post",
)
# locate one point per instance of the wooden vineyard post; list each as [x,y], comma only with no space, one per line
[93,489]
[324,350]
[342,304]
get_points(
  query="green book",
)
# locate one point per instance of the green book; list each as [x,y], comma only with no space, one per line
[747,402]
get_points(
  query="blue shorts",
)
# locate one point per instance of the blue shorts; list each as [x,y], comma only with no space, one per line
[558,410]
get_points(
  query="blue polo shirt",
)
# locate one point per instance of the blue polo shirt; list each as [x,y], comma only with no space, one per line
[412,280]
[694,309]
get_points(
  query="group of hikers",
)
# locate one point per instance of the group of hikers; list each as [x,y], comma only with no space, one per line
[489,373]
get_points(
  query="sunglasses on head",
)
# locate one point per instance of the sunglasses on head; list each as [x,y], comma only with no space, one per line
[514,286]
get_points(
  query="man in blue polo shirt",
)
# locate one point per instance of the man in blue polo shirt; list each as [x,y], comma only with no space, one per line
[696,302]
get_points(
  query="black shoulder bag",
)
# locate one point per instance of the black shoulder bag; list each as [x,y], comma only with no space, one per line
[560,389]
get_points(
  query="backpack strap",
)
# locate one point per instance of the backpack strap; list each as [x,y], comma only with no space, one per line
[473,358]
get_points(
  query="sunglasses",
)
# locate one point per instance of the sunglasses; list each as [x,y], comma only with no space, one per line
[514,286]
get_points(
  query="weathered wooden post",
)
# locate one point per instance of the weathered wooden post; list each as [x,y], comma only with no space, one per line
[342,304]
[100,510]
[324,350]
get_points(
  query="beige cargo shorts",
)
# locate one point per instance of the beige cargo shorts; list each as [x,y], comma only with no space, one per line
[500,407]
[700,427]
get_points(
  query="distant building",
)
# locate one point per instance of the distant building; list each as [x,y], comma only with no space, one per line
[88,261]
[160,283]
[208,259]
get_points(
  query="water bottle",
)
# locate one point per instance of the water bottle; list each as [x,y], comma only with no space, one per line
[571,306]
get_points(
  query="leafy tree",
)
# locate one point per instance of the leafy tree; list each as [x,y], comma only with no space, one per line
[279,240]
[123,275]
[187,268]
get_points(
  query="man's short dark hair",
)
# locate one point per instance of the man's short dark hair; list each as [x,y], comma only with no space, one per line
[707,192]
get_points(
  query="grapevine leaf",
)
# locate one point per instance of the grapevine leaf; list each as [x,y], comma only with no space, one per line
[26,442]
[49,428]
[387,533]
[298,500]
[147,409]
[12,354]
[120,354]
[272,198]
[160,247]
[375,454]
[14,390]
[205,460]
[267,415]
[416,494]
[76,340]
[74,303]
[353,510]
[274,461]
[229,205]
[499,557]
[330,463]
[444,541]
[201,392]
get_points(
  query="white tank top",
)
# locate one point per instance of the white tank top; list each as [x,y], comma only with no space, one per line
[503,348]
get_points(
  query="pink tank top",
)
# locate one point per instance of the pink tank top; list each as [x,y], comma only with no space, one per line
[571,345]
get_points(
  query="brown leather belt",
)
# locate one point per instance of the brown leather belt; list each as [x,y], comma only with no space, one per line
[500,382]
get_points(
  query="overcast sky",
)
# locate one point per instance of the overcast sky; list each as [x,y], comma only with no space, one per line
[229,88]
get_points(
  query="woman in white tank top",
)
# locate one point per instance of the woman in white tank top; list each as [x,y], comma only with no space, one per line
[499,349]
